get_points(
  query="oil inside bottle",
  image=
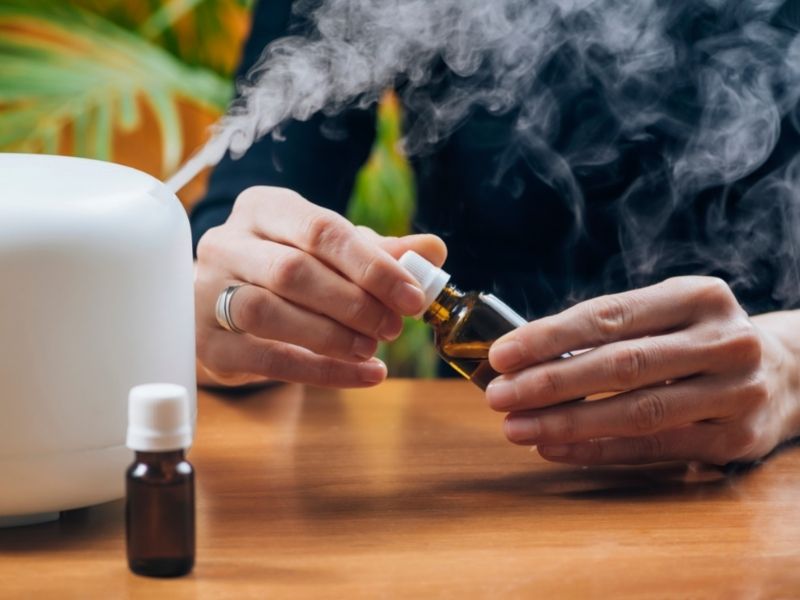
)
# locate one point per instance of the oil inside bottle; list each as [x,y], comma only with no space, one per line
[465,326]
[471,359]
[159,514]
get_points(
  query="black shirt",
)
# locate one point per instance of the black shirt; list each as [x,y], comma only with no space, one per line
[515,228]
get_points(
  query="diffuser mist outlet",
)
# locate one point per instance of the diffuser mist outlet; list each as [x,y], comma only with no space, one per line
[96,272]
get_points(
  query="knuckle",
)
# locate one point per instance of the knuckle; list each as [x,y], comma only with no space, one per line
[649,448]
[359,310]
[249,202]
[595,451]
[743,344]
[549,383]
[246,200]
[332,342]
[266,360]
[756,390]
[647,413]
[254,198]
[627,365]
[565,426]
[371,270]
[540,341]
[715,295]
[610,315]
[250,310]
[286,195]
[741,442]
[325,373]
[322,229]
[210,245]
[288,270]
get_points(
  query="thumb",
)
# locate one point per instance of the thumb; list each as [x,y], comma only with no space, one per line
[425,244]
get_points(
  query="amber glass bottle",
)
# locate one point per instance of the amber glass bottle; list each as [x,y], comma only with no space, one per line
[159,507]
[464,323]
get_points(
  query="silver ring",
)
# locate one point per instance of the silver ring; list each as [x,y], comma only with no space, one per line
[223,309]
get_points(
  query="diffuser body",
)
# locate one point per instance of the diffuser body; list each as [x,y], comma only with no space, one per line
[96,272]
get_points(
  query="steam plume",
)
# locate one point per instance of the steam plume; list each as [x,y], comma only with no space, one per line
[716,79]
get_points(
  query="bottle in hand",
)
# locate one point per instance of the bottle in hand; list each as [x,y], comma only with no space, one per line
[465,324]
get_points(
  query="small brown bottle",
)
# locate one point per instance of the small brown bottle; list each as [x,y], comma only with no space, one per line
[159,506]
[465,324]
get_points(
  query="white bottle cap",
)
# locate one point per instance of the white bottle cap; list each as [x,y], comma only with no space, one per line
[158,418]
[431,278]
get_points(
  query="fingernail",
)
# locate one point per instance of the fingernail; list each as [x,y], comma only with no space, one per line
[364,347]
[409,298]
[501,393]
[505,355]
[373,371]
[390,327]
[556,450]
[522,428]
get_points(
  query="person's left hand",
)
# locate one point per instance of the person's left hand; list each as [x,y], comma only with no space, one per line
[699,380]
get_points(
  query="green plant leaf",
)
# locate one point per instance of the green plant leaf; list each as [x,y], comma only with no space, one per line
[62,66]
[384,199]
[166,15]
[383,196]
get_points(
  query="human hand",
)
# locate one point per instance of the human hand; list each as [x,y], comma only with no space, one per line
[321,293]
[699,379]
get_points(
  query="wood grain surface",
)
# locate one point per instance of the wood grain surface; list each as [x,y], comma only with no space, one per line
[409,490]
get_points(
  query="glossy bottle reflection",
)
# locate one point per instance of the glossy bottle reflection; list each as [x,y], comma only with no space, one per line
[465,325]
[159,485]
[159,514]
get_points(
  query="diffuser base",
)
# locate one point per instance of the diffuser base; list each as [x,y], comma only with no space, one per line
[32,519]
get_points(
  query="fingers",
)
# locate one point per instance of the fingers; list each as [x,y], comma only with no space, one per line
[426,245]
[287,218]
[304,281]
[227,354]
[618,366]
[321,293]
[266,315]
[670,305]
[701,442]
[633,414]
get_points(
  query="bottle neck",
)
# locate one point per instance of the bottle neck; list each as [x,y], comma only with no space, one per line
[444,306]
[167,456]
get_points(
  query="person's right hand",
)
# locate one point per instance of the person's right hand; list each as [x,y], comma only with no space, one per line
[320,293]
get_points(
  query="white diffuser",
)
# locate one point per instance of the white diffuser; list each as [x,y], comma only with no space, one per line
[96,275]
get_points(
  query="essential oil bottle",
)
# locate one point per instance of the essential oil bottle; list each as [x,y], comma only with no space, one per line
[465,324]
[159,506]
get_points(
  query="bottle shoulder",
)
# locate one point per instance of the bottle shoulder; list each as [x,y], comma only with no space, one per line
[480,305]
[479,318]
[160,471]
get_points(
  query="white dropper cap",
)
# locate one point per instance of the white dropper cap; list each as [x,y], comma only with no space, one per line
[158,418]
[431,278]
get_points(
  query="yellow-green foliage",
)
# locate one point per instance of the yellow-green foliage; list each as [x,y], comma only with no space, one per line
[83,69]
[64,68]
[383,199]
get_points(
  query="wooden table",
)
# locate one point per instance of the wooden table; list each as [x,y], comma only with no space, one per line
[409,490]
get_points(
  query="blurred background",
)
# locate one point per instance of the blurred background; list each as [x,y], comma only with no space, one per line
[138,82]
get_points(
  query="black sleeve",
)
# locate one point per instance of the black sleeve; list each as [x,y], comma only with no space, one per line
[318,158]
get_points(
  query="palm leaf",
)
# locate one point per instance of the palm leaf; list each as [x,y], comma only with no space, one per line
[200,32]
[383,196]
[384,199]
[62,67]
